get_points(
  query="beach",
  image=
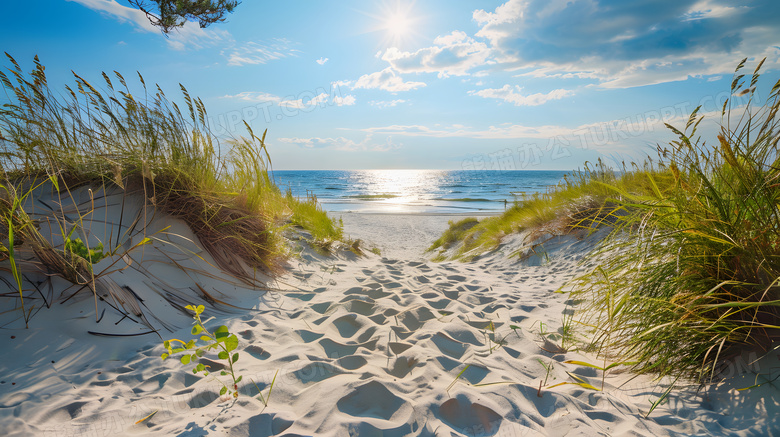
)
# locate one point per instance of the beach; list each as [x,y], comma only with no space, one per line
[391,344]
[507,218]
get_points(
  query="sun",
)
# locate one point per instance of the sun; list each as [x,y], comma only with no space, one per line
[397,25]
[398,20]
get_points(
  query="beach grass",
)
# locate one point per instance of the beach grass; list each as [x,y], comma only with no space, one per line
[689,276]
[583,200]
[132,137]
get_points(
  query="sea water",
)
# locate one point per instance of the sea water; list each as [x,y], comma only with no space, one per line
[416,191]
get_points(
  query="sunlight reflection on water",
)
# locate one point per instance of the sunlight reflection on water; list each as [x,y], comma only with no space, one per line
[416,191]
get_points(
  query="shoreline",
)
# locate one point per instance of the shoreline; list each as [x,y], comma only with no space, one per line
[401,236]
[477,214]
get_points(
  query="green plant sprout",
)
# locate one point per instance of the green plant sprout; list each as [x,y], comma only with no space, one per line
[662,399]
[580,382]
[77,247]
[220,339]
[604,369]
[548,368]
[495,340]
[265,400]
[452,384]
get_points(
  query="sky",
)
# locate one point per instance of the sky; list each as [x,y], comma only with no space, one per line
[435,84]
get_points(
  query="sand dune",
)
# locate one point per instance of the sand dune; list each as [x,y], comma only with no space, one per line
[374,345]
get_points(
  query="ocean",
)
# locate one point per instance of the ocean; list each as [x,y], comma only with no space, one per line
[416,191]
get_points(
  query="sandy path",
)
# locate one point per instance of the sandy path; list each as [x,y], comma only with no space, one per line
[373,346]
[398,236]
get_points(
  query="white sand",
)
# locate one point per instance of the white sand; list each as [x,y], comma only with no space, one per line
[363,346]
[400,236]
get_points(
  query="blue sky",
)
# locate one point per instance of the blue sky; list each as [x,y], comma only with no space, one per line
[517,84]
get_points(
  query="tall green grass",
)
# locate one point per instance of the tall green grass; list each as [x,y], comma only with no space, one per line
[132,136]
[582,201]
[692,274]
[689,277]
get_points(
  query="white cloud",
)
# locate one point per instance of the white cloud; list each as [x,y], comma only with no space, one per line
[342,83]
[344,144]
[708,9]
[600,135]
[322,61]
[460,131]
[188,36]
[387,80]
[347,100]
[302,103]
[451,55]
[120,13]
[305,101]
[192,36]
[512,95]
[254,96]
[385,103]
[253,53]
[629,44]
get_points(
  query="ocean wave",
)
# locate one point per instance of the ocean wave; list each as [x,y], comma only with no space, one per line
[466,199]
[372,196]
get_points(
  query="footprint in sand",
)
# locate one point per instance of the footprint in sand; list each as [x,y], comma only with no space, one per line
[436,301]
[373,400]
[336,349]
[463,415]
[449,346]
[257,352]
[371,289]
[352,362]
[422,279]
[315,372]
[414,319]
[202,399]
[261,425]
[398,348]
[347,325]
[67,412]
[320,308]
[359,306]
[403,366]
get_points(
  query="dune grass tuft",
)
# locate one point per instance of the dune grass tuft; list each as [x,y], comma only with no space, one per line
[689,276]
[136,139]
[692,273]
[582,201]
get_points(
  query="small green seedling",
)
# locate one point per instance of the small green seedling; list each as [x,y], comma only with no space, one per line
[221,339]
[604,369]
[495,340]
[456,379]
[548,368]
[77,247]
[580,382]
[265,400]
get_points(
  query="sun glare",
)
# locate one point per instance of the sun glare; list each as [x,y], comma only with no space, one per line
[398,21]
[397,25]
